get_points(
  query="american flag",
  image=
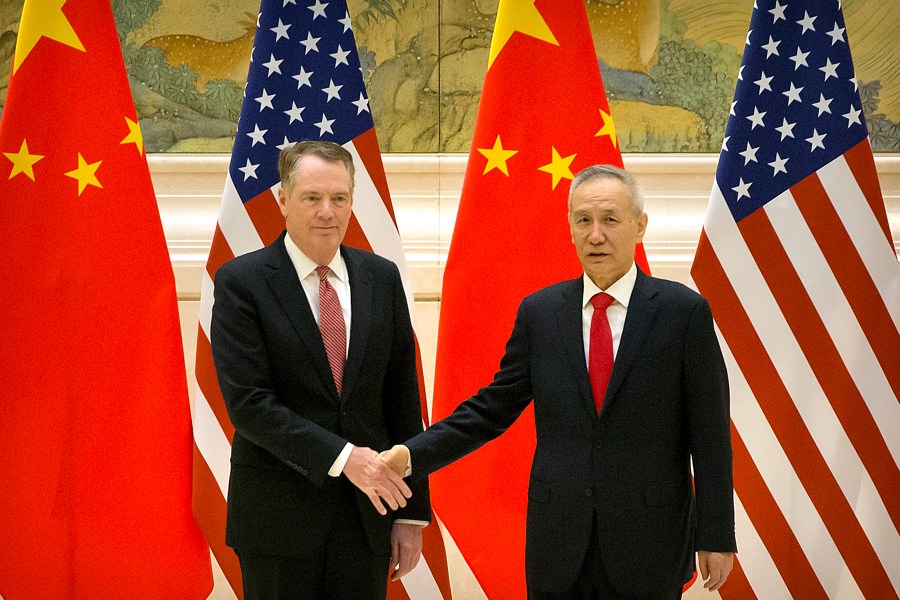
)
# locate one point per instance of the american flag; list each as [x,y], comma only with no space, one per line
[797,261]
[304,82]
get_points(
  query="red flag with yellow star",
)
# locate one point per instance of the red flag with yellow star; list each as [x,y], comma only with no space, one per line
[95,435]
[543,116]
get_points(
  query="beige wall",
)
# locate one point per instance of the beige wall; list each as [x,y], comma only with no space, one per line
[425,190]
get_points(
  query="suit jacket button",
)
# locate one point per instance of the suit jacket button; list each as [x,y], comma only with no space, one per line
[588,492]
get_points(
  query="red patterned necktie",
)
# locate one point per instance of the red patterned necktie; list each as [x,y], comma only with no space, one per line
[331,323]
[600,354]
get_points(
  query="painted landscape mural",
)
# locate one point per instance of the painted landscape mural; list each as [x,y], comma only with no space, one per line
[669,68]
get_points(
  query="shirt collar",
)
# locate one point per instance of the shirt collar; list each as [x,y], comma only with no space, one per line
[305,265]
[620,290]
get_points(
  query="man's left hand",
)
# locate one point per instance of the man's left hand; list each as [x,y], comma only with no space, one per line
[406,548]
[714,568]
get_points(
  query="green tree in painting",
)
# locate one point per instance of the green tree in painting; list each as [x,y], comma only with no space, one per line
[177,85]
[695,78]
[223,99]
[883,133]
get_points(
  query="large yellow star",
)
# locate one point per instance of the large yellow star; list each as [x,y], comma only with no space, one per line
[134,135]
[86,174]
[497,157]
[521,16]
[608,128]
[23,161]
[559,167]
[43,18]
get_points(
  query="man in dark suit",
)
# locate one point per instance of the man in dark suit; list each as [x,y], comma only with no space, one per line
[315,357]
[629,388]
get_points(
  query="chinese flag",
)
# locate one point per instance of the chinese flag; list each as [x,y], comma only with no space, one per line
[95,436]
[543,117]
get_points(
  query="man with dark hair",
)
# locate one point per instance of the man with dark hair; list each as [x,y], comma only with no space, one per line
[315,357]
[629,388]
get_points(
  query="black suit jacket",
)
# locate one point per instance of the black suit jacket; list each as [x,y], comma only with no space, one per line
[290,422]
[667,402]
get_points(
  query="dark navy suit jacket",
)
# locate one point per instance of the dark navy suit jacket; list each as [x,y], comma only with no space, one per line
[666,404]
[290,424]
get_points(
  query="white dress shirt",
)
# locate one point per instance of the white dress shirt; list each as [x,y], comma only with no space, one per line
[309,279]
[615,314]
[339,280]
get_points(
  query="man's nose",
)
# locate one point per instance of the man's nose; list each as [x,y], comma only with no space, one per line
[326,208]
[597,235]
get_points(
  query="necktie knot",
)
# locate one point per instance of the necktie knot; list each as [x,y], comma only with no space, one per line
[322,272]
[601,301]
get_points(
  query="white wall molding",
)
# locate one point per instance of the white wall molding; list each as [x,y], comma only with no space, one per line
[425,189]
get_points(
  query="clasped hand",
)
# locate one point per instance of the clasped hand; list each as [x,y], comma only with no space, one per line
[376,479]
[380,477]
[397,458]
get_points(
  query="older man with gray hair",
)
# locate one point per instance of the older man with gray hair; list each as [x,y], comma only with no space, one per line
[316,360]
[629,389]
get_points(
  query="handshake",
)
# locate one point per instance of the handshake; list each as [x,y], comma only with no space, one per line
[380,476]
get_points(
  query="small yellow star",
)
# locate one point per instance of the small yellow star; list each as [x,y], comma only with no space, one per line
[43,19]
[521,16]
[608,128]
[85,174]
[559,167]
[23,161]
[497,157]
[134,135]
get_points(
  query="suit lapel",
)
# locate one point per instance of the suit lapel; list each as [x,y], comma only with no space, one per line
[286,286]
[361,290]
[642,309]
[572,337]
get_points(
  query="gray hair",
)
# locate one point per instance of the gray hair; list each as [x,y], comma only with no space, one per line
[599,172]
[329,151]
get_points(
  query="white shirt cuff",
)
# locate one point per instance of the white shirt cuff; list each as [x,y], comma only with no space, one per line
[413,522]
[338,466]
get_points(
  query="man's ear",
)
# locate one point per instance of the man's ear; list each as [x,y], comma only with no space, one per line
[642,226]
[282,198]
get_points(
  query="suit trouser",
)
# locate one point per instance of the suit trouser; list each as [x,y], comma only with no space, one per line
[345,568]
[592,582]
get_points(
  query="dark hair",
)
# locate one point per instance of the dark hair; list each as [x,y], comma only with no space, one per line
[290,156]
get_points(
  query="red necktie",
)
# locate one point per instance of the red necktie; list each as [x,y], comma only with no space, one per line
[600,354]
[334,330]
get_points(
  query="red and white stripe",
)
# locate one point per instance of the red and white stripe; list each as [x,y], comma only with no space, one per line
[242,228]
[806,297]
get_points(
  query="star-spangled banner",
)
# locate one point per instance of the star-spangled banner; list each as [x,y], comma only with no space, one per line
[304,82]
[95,438]
[796,106]
[797,261]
